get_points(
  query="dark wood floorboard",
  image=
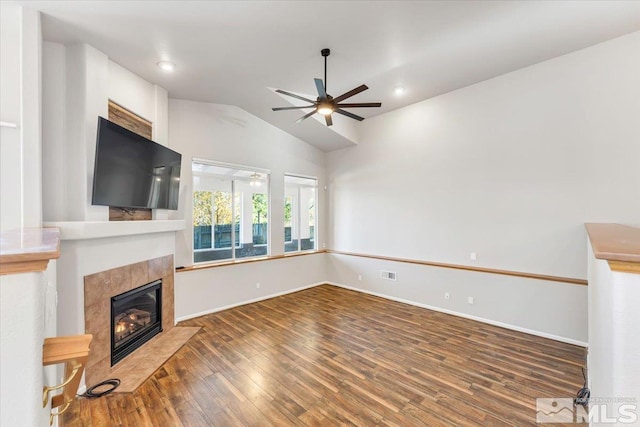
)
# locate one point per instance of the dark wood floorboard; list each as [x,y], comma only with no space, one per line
[330,356]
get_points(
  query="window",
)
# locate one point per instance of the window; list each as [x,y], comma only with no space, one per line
[230,204]
[300,208]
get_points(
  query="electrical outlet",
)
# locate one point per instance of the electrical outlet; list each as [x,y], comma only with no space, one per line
[360,277]
[258,285]
[447,296]
[473,256]
[470,300]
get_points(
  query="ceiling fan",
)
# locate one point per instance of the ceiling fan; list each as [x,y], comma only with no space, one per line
[325,104]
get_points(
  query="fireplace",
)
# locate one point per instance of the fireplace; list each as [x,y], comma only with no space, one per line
[136,317]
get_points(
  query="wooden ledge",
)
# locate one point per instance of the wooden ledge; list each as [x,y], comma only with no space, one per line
[247,261]
[28,250]
[468,268]
[617,244]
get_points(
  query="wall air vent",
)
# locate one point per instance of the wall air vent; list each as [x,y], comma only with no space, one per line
[388,275]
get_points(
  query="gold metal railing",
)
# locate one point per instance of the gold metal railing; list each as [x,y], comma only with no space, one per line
[73,351]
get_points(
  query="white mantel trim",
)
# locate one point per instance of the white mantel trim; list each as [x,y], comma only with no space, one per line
[83,230]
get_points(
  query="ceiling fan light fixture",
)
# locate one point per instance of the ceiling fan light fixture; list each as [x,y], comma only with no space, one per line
[325,109]
[326,104]
[255,180]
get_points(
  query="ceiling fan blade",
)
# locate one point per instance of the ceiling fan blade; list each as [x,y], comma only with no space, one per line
[320,87]
[306,116]
[327,119]
[284,92]
[292,108]
[348,114]
[360,105]
[350,93]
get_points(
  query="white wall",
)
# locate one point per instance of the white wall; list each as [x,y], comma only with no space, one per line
[208,290]
[78,82]
[545,308]
[229,134]
[132,92]
[86,87]
[23,308]
[601,340]
[10,150]
[54,132]
[21,371]
[509,168]
[20,167]
[614,348]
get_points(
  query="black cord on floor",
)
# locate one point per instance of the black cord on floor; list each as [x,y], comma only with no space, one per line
[582,398]
[114,383]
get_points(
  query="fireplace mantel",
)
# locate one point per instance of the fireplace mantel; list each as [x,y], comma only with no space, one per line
[84,230]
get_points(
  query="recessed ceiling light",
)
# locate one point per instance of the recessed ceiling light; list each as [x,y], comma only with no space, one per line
[167,65]
[399,90]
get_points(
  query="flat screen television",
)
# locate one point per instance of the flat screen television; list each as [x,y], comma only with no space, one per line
[132,171]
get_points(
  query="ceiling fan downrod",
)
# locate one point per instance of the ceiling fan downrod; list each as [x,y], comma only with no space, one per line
[325,52]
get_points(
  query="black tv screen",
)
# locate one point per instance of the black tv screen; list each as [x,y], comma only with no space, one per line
[132,171]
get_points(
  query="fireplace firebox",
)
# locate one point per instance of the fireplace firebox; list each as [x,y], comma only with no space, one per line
[136,317]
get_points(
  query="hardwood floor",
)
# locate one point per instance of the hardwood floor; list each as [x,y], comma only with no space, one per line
[330,356]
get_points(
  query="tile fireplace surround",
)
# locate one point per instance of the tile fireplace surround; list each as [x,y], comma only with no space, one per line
[98,290]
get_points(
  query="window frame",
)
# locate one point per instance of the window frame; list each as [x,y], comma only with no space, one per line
[234,194]
[213,248]
[290,234]
[314,237]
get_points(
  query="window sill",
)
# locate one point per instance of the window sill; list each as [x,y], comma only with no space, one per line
[247,261]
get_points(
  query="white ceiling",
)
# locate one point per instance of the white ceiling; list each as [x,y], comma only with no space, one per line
[232,52]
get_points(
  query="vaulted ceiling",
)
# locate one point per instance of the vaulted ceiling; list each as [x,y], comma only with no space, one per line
[236,52]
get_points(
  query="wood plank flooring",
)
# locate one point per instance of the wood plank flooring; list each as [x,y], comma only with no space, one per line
[330,356]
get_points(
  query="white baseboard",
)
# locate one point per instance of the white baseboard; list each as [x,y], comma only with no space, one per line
[467,316]
[226,307]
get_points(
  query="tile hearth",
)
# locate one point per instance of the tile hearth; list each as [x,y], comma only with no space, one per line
[140,365]
[134,369]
